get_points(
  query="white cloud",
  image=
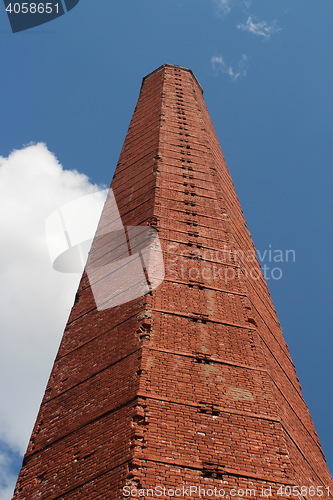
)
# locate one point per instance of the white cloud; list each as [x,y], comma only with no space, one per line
[223,7]
[259,28]
[36,300]
[234,73]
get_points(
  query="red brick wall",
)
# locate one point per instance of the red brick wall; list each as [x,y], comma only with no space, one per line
[192,384]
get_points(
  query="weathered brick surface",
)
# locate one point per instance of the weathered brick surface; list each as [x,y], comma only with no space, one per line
[192,384]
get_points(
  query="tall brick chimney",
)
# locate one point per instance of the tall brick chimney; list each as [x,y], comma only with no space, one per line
[190,385]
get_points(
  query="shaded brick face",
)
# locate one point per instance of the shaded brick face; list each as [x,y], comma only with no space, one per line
[191,385]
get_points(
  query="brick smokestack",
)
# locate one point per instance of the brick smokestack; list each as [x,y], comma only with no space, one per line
[190,384]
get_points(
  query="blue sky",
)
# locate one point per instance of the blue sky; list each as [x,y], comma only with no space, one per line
[266,68]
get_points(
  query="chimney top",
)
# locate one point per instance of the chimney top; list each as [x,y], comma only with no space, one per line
[175,67]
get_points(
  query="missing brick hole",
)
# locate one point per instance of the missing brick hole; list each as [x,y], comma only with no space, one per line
[203,361]
[209,410]
[212,474]
[199,320]
[195,257]
[200,286]
[40,478]
[145,327]
[139,420]
[139,436]
[137,443]
[133,466]
[139,412]
[133,483]
[152,221]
